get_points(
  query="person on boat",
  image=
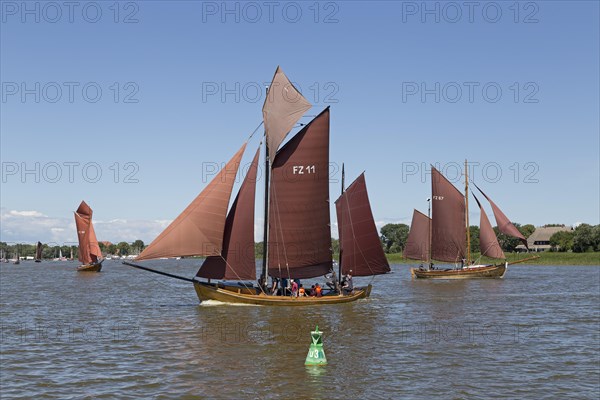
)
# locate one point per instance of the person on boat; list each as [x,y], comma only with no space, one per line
[332,281]
[312,291]
[294,288]
[318,290]
[348,284]
[301,291]
[274,286]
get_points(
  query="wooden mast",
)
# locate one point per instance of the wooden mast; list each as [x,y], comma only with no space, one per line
[266,218]
[467,215]
[429,263]
[339,238]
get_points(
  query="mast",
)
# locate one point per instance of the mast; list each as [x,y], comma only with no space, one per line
[339,239]
[467,215]
[429,263]
[266,217]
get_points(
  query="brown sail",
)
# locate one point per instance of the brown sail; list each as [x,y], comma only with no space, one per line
[360,244]
[237,261]
[502,221]
[283,107]
[448,228]
[488,242]
[89,250]
[198,230]
[299,225]
[417,243]
[38,251]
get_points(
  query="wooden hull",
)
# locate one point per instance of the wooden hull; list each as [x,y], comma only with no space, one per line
[96,267]
[240,295]
[488,272]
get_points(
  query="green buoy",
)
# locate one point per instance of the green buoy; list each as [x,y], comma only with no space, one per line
[316,354]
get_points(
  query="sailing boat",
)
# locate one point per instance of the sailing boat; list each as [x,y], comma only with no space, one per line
[17,258]
[38,252]
[89,250]
[297,233]
[444,236]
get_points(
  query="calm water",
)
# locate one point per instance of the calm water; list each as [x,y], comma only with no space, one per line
[125,333]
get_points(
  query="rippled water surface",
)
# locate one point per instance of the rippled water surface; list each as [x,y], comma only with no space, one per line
[125,333]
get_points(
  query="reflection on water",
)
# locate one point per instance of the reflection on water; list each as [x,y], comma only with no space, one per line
[128,333]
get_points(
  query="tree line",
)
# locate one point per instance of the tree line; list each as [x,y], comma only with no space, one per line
[583,238]
[53,251]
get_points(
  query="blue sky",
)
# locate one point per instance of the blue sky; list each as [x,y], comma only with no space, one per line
[512,87]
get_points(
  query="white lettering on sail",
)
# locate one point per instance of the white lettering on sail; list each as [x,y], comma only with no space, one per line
[301,169]
[438,197]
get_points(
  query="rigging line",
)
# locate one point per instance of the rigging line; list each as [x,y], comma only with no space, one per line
[236,274]
[278,214]
[252,134]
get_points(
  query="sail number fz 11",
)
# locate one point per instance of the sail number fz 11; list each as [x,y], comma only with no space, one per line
[301,169]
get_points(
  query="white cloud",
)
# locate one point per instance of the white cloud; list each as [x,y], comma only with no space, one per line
[25,213]
[31,226]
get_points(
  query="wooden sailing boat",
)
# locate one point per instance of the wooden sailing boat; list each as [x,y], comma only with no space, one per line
[89,250]
[297,241]
[38,252]
[444,236]
[17,258]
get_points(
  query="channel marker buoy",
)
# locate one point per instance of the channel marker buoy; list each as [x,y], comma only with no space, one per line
[316,354]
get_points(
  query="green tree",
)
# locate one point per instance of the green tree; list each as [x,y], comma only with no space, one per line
[335,246]
[584,239]
[596,237]
[102,247]
[112,249]
[137,246]
[393,237]
[562,241]
[527,230]
[474,233]
[258,249]
[124,248]
[508,243]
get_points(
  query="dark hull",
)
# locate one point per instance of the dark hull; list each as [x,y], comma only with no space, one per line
[489,272]
[240,295]
[94,267]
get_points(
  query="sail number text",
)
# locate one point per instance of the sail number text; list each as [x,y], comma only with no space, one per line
[438,197]
[304,169]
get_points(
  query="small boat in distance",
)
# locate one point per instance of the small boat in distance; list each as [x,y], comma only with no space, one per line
[17,258]
[297,230]
[443,235]
[89,250]
[38,252]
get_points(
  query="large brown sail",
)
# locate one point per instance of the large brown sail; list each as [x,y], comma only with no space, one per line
[283,107]
[237,261]
[89,250]
[360,244]
[488,242]
[417,243]
[198,230]
[502,221]
[448,228]
[299,225]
